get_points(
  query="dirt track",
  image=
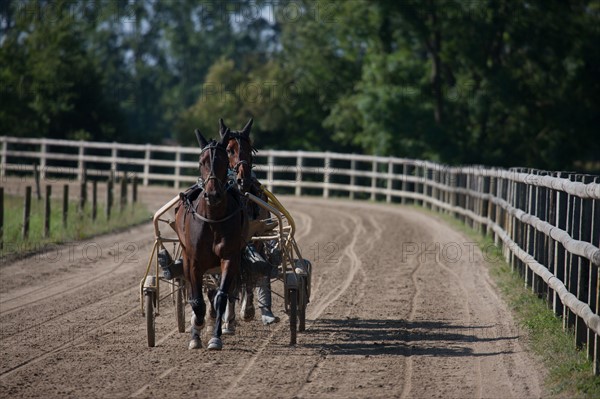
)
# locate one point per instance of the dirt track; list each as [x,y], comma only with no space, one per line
[402,306]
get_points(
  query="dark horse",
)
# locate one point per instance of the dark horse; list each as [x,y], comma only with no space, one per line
[240,152]
[210,230]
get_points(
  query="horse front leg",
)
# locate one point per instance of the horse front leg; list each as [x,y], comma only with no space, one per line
[198,314]
[228,267]
[229,317]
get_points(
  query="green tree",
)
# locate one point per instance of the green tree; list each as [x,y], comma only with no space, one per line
[51,87]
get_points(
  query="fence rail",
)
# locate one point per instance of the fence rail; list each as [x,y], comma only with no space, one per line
[548,223]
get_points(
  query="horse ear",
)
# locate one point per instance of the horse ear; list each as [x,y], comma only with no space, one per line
[246,129]
[201,140]
[225,136]
[222,127]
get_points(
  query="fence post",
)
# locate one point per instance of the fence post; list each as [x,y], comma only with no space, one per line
[373,179]
[47,211]
[1,218]
[326,163]
[583,264]
[570,270]
[134,189]
[80,163]
[109,195]
[530,234]
[146,175]
[352,176]
[594,283]
[82,191]
[26,212]
[3,155]
[43,151]
[177,182]
[94,199]
[113,159]
[298,188]
[270,166]
[36,178]
[123,192]
[388,194]
[65,204]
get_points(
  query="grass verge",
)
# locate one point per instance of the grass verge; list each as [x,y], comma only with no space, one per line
[80,225]
[569,370]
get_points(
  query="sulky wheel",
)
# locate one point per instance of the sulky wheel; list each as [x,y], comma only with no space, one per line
[180,304]
[293,298]
[149,307]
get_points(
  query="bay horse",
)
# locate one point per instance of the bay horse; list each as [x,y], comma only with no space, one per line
[210,229]
[240,153]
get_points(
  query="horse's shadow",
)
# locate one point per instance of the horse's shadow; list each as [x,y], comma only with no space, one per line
[405,338]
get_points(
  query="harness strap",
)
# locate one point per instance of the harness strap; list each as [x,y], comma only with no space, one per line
[189,207]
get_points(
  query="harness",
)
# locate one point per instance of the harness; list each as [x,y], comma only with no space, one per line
[191,195]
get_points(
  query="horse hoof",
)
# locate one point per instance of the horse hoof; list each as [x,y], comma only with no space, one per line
[195,344]
[215,344]
[228,328]
[247,313]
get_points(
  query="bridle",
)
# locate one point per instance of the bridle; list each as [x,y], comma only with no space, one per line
[212,147]
[238,137]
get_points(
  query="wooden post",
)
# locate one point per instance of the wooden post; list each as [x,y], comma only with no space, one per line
[36,177]
[82,194]
[26,212]
[177,182]
[1,218]
[326,171]
[94,199]
[388,195]
[270,166]
[298,188]
[373,179]
[146,172]
[584,265]
[109,196]
[594,284]
[134,190]
[47,211]
[65,204]
[123,193]
[352,177]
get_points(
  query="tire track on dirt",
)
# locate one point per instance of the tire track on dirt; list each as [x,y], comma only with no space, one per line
[67,345]
[43,294]
[351,250]
[467,305]
[78,309]
[306,230]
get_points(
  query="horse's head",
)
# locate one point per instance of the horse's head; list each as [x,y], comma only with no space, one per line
[213,167]
[239,152]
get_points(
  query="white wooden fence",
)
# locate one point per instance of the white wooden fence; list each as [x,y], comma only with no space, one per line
[548,223]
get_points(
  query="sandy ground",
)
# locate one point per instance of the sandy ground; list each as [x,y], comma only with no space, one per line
[402,306]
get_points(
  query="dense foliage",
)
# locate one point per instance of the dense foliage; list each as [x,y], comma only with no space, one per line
[494,82]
